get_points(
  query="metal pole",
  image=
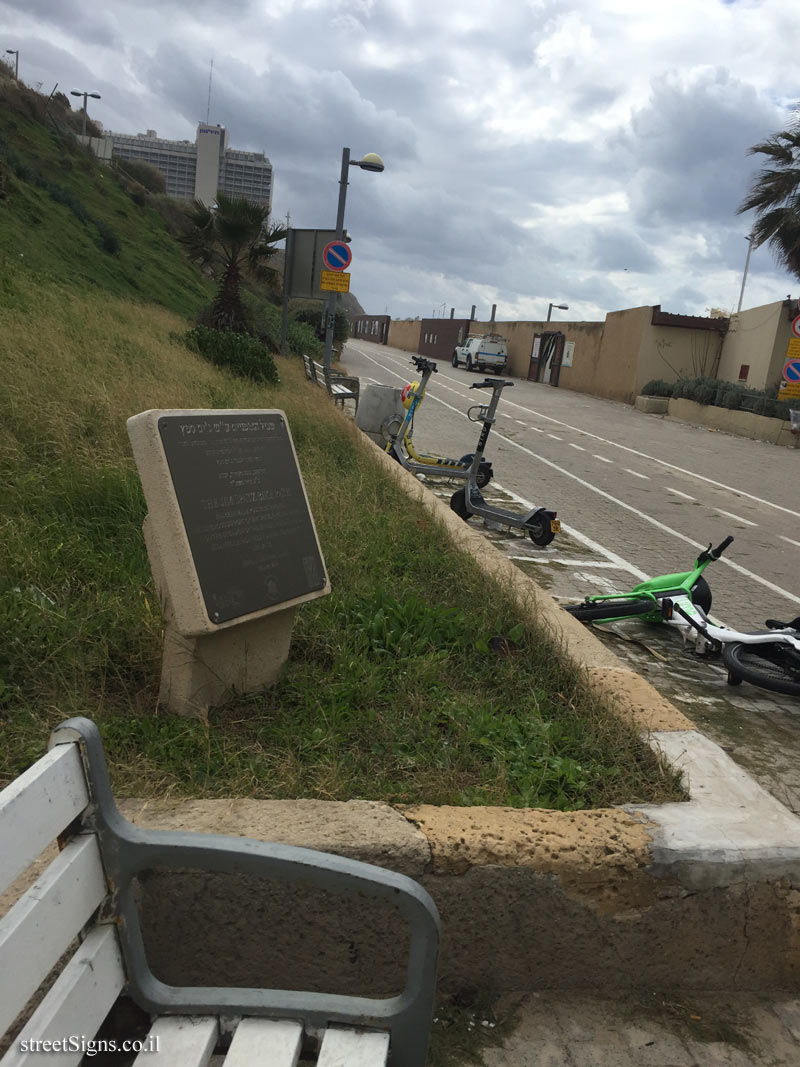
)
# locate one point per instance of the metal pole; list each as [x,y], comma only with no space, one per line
[330,309]
[549,312]
[288,256]
[749,240]
[83,130]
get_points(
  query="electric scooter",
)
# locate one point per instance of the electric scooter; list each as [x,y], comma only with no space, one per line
[540,524]
[401,445]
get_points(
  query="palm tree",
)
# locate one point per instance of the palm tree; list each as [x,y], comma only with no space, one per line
[775,196]
[234,238]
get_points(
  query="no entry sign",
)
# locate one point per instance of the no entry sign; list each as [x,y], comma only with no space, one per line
[337,255]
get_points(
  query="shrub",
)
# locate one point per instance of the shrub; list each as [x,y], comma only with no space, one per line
[109,241]
[244,356]
[731,395]
[143,173]
[657,387]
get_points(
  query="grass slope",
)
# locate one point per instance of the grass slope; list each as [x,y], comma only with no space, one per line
[61,207]
[386,695]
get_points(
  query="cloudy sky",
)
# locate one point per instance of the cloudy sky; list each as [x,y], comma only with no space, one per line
[589,152]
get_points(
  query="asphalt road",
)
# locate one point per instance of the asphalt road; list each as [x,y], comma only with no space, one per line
[647,491]
[638,495]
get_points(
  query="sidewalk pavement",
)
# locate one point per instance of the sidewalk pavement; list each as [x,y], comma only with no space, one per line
[645,1030]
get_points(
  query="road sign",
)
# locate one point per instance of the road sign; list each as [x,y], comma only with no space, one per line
[796,326]
[334,281]
[789,391]
[337,256]
[791,371]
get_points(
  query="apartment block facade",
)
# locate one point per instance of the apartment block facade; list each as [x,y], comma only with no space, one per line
[195,170]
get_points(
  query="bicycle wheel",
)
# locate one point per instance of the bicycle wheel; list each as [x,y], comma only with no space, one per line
[772,666]
[606,610]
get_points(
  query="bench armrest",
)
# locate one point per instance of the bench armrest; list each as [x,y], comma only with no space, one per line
[127,850]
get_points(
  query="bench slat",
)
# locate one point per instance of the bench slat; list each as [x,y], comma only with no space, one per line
[182,1041]
[43,922]
[36,807]
[77,1004]
[353,1048]
[265,1041]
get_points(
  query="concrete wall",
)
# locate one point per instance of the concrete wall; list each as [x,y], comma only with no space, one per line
[672,352]
[752,340]
[742,423]
[611,367]
[405,334]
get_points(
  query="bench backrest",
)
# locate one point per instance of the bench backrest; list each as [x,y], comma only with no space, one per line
[67,795]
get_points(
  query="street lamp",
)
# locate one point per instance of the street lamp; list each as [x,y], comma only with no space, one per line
[372,162]
[563,307]
[749,240]
[15,53]
[94,96]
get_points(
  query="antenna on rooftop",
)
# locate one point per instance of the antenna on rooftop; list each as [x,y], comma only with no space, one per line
[210,76]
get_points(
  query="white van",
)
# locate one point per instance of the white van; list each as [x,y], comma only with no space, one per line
[482,353]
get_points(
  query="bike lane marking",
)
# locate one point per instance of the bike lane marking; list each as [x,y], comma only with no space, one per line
[615,500]
[636,474]
[791,542]
[644,455]
[738,518]
[677,492]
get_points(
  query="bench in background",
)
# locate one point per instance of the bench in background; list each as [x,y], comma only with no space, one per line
[340,386]
[88,892]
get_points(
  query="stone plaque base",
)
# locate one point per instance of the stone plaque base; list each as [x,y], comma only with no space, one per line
[199,672]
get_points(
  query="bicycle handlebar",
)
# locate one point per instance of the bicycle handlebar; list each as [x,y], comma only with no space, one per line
[491,383]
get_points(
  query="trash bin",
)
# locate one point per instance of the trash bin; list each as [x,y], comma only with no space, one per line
[794,421]
[380,412]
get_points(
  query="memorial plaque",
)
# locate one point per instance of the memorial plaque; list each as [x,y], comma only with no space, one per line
[244,508]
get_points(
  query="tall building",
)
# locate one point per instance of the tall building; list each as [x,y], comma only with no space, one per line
[195,171]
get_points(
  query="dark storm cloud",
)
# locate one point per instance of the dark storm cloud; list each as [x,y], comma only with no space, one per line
[89,24]
[687,148]
[614,249]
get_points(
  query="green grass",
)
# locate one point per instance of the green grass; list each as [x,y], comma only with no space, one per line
[60,203]
[390,691]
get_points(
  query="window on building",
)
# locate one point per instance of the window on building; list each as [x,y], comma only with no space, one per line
[744,370]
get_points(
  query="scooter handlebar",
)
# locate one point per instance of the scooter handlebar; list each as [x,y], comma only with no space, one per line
[424,364]
[717,552]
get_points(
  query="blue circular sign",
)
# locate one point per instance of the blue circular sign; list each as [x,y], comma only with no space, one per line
[337,255]
[791,372]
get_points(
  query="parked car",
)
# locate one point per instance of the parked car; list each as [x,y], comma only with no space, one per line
[482,353]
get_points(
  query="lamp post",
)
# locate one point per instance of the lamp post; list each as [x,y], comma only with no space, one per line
[563,307]
[94,96]
[749,240]
[372,162]
[15,53]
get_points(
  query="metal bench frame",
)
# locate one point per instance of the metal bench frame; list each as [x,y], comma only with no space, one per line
[126,851]
[340,386]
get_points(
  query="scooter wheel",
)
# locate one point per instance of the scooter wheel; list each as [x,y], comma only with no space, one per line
[485,471]
[539,529]
[458,502]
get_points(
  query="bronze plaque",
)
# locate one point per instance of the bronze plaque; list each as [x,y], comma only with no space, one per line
[244,509]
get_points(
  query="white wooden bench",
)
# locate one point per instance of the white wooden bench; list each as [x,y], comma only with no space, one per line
[340,386]
[87,892]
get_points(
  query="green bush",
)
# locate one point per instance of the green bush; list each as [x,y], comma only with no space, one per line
[143,173]
[244,356]
[657,387]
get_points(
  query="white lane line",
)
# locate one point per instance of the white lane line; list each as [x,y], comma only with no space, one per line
[602,458]
[555,437]
[520,422]
[570,562]
[580,448]
[620,503]
[738,518]
[677,492]
[614,560]
[791,542]
[636,474]
[644,455]
[537,429]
